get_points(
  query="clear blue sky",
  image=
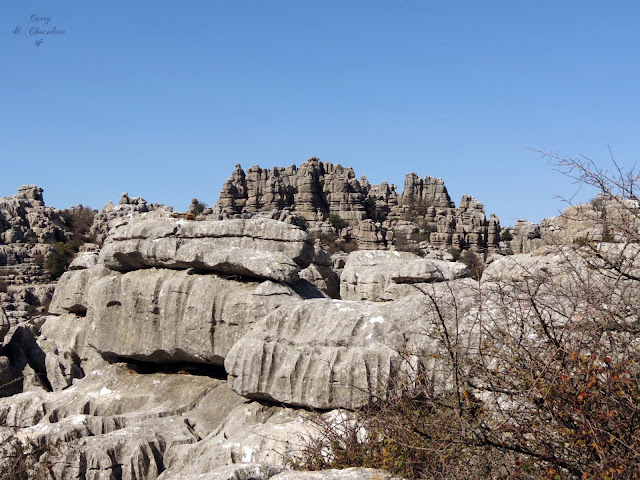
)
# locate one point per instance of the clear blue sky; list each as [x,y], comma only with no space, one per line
[162,99]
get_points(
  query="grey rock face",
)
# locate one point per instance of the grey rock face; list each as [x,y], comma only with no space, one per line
[71,294]
[24,218]
[234,471]
[330,354]
[258,248]
[160,315]
[4,324]
[318,189]
[380,275]
[252,433]
[84,260]
[314,190]
[116,423]
[344,474]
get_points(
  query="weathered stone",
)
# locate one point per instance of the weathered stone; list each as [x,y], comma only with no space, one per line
[380,275]
[72,290]
[160,315]
[317,190]
[258,248]
[330,354]
[4,324]
[252,433]
[354,473]
[117,423]
[322,277]
[84,260]
[234,471]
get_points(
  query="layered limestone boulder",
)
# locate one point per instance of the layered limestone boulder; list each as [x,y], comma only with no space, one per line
[526,237]
[28,229]
[112,216]
[168,290]
[339,354]
[252,434]
[321,273]
[25,218]
[314,190]
[116,422]
[257,248]
[161,315]
[379,275]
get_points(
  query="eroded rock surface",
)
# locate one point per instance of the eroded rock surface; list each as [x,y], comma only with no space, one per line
[379,275]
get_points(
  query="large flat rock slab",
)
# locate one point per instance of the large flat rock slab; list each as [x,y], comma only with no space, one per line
[161,315]
[382,275]
[259,248]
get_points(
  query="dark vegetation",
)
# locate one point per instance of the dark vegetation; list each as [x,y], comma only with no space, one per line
[373,212]
[506,236]
[77,224]
[551,391]
[335,244]
[474,262]
[337,222]
[197,207]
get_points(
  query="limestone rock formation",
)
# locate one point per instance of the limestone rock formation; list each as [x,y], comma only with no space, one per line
[111,216]
[339,354]
[380,275]
[526,237]
[318,191]
[116,422]
[161,315]
[257,248]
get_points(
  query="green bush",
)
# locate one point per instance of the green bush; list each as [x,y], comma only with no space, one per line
[506,236]
[78,220]
[475,264]
[337,221]
[197,207]
[59,259]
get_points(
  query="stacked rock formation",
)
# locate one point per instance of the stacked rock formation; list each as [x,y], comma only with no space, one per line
[97,376]
[112,215]
[320,191]
[27,231]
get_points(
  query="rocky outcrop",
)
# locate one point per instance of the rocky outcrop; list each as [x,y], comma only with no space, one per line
[161,315]
[27,231]
[168,290]
[379,275]
[252,433]
[24,218]
[321,273]
[339,354]
[318,190]
[256,248]
[111,216]
[526,237]
[315,190]
[116,422]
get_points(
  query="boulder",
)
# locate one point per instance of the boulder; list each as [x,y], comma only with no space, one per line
[380,275]
[161,315]
[117,423]
[71,293]
[252,434]
[4,324]
[259,248]
[339,354]
[354,473]
[84,260]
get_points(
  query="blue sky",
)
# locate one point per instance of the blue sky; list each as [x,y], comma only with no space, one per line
[162,99]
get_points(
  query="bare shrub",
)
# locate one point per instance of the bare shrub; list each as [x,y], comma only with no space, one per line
[543,371]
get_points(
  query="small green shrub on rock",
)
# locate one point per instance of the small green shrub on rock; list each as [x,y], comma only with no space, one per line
[59,259]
